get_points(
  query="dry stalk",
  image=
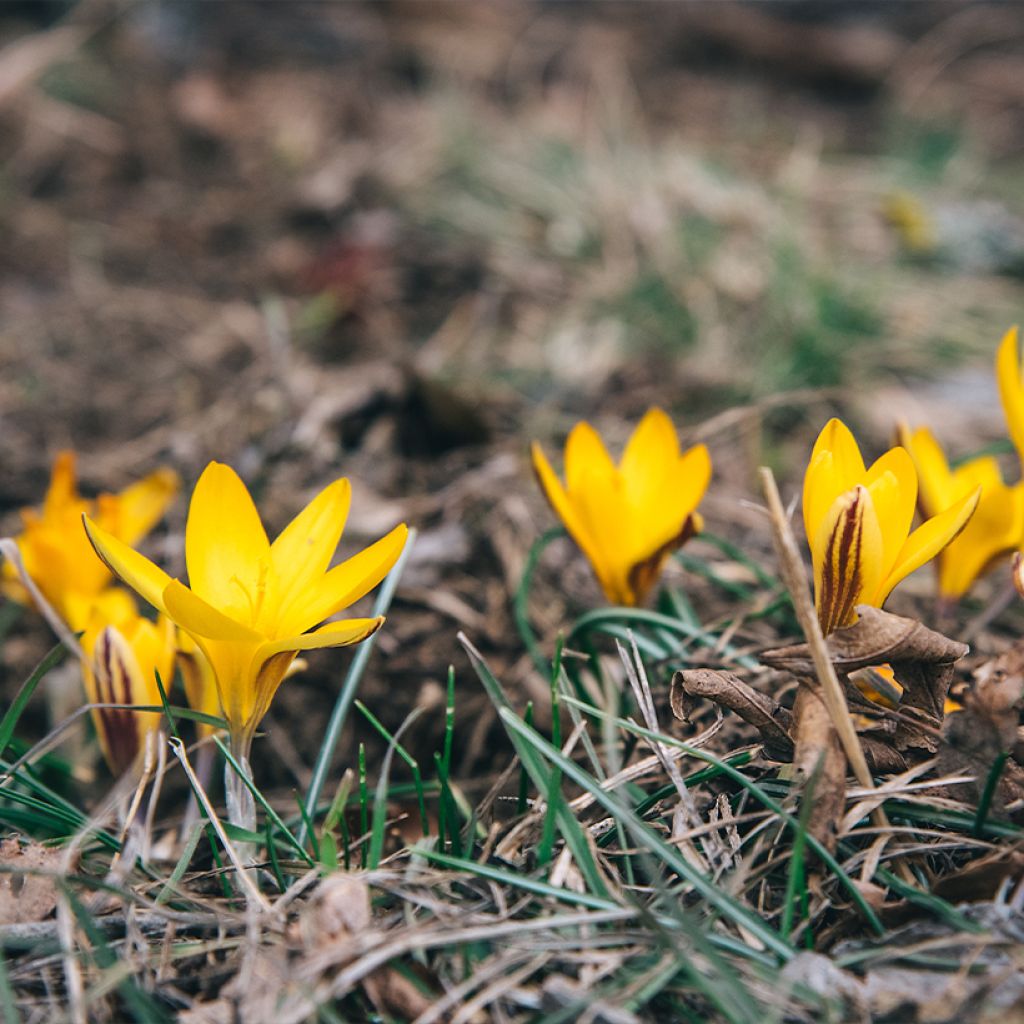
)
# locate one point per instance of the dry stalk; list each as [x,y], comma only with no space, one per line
[831,692]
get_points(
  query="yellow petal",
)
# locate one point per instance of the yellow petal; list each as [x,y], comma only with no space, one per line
[304,548]
[566,510]
[334,634]
[937,486]
[892,484]
[585,455]
[199,679]
[836,437]
[1011,387]
[671,505]
[226,547]
[344,584]
[994,530]
[608,519]
[846,553]
[201,619]
[131,514]
[835,467]
[651,453]
[63,489]
[925,543]
[136,570]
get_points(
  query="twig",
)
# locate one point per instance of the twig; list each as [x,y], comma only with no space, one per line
[832,693]
[252,893]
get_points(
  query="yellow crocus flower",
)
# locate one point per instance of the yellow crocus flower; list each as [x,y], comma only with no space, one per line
[858,521]
[56,551]
[250,603]
[124,652]
[1010,377]
[200,682]
[995,529]
[628,518]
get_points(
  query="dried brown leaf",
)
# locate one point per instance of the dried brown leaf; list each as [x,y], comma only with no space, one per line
[26,895]
[921,659]
[771,720]
[818,755]
[987,727]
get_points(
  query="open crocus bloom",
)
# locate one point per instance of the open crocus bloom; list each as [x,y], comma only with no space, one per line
[250,604]
[995,529]
[628,518]
[1010,377]
[858,523]
[124,653]
[57,554]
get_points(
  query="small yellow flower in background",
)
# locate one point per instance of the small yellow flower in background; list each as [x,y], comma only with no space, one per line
[628,518]
[911,219]
[1010,377]
[200,682]
[858,522]
[995,529]
[124,653]
[250,603]
[56,551]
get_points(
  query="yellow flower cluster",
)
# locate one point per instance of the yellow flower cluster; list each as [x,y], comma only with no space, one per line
[252,605]
[235,632]
[858,519]
[628,517]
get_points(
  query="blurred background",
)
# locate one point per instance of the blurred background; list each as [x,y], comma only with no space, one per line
[398,240]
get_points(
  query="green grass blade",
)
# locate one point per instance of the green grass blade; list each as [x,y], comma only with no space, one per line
[608,619]
[348,688]
[539,887]
[10,720]
[143,1006]
[773,805]
[539,772]
[380,798]
[521,603]
[412,763]
[291,840]
[650,840]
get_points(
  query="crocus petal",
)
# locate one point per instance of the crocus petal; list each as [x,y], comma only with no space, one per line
[892,483]
[63,489]
[136,570]
[564,508]
[651,452]
[1011,387]
[305,547]
[835,467]
[201,619]
[925,543]
[847,558]
[837,438]
[672,505]
[994,530]
[131,514]
[937,486]
[334,634]
[617,534]
[344,584]
[585,456]
[226,547]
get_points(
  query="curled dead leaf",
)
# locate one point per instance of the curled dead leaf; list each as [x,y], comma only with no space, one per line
[986,730]
[922,661]
[770,718]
